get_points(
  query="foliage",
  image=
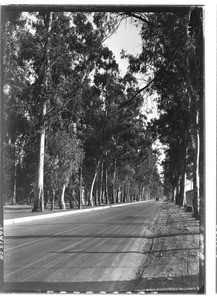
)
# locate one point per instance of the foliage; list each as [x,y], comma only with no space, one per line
[87,136]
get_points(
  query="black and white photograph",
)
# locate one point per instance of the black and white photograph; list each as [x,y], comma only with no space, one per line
[103,149]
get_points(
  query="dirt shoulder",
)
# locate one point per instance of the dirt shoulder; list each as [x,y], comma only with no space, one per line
[171,262]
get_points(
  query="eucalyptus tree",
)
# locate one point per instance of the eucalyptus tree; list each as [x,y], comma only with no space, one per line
[16,82]
[173,45]
[60,48]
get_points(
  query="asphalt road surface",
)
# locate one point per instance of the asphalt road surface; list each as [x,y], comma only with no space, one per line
[98,251]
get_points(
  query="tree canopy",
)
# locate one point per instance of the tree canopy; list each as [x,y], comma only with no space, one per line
[74,129]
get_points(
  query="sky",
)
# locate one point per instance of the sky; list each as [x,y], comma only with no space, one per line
[127,38]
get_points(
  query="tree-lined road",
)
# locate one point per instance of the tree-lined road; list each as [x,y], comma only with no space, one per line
[95,251]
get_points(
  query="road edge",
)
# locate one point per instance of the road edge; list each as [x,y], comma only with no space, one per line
[60,214]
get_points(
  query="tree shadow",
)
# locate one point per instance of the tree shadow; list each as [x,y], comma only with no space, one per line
[113,236]
[178,284]
[125,252]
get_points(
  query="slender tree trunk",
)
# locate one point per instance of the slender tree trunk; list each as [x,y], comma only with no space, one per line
[114,179]
[81,190]
[106,186]
[101,183]
[124,194]
[182,189]
[14,199]
[142,196]
[182,182]
[53,199]
[92,187]
[39,190]
[196,180]
[140,192]
[177,192]
[196,155]
[72,198]
[99,193]
[62,204]
[173,193]
[119,195]
[93,183]
[128,194]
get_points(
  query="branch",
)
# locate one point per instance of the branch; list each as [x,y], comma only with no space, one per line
[114,30]
[133,15]
[122,105]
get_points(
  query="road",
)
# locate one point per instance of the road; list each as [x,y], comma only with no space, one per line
[98,251]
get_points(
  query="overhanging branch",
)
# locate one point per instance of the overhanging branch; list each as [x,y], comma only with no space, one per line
[122,105]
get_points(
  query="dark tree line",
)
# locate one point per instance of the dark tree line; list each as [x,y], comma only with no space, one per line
[74,131]
[173,47]
[65,140]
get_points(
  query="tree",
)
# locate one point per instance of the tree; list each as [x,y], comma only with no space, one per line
[168,48]
[88,149]
[60,52]
[64,157]
[16,82]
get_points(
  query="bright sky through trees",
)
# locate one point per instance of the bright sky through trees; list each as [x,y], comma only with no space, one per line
[127,38]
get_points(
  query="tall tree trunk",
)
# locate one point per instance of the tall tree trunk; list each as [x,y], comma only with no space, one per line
[127,194]
[119,195]
[183,175]
[62,204]
[53,199]
[195,139]
[14,199]
[124,194]
[177,192]
[113,183]
[92,187]
[182,189]
[106,185]
[142,195]
[39,189]
[173,192]
[93,183]
[101,183]
[99,192]
[72,198]
[81,190]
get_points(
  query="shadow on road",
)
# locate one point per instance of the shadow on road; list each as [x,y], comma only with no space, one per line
[187,284]
[115,236]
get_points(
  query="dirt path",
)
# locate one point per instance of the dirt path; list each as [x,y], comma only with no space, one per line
[172,260]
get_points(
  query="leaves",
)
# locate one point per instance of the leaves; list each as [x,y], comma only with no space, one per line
[70,70]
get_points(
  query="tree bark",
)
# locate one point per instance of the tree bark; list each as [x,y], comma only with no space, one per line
[39,190]
[62,204]
[106,185]
[93,183]
[183,175]
[177,192]
[92,187]
[195,139]
[81,190]
[53,199]
[113,183]
[101,183]
[72,198]
[14,199]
